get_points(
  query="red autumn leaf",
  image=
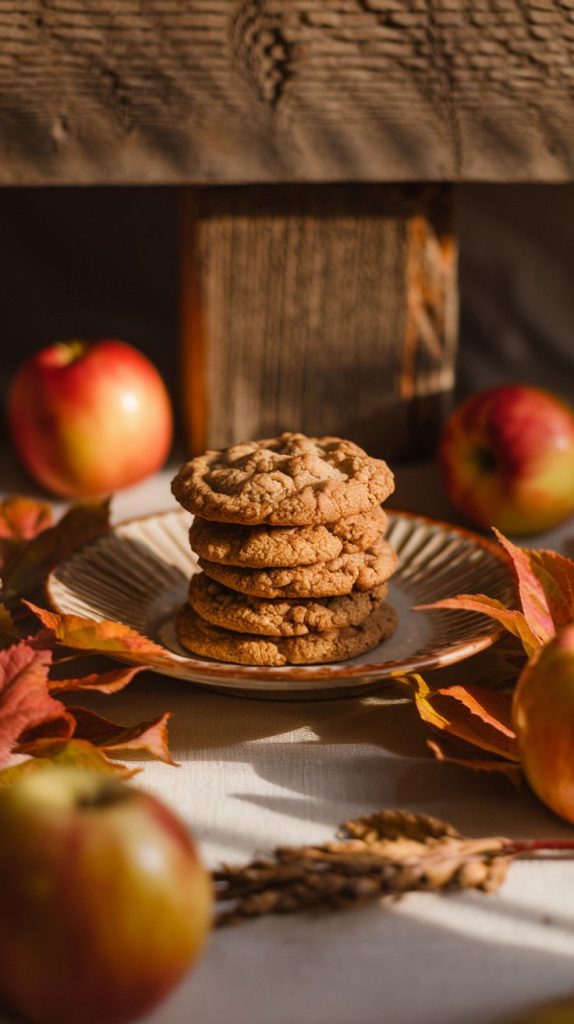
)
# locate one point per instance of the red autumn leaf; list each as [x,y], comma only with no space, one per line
[545,582]
[65,753]
[51,729]
[25,702]
[545,586]
[31,564]
[556,574]
[102,682]
[145,738]
[103,637]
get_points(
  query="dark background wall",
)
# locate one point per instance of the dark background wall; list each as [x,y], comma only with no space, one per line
[88,263]
[517,286]
[103,262]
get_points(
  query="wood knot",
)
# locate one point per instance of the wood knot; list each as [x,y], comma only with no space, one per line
[261,50]
[59,131]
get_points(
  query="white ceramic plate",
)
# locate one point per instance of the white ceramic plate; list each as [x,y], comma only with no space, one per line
[138,574]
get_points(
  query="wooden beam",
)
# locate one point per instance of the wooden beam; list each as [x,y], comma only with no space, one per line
[228,91]
[327,309]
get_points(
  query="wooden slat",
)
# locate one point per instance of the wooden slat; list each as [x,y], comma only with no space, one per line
[286,90]
[327,309]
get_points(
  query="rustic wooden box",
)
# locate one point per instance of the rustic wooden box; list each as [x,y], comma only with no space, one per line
[317,144]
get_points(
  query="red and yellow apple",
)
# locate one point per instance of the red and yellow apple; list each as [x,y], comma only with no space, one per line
[543,719]
[88,418]
[507,459]
[104,902]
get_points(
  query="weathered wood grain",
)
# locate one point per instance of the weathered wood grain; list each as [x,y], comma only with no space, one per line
[286,90]
[327,309]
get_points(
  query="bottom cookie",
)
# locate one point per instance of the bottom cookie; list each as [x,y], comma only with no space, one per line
[200,637]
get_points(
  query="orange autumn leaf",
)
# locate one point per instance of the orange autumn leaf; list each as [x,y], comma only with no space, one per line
[478,716]
[102,682]
[473,714]
[23,518]
[28,568]
[493,707]
[445,749]
[100,637]
[149,738]
[25,701]
[474,722]
[472,717]
[513,621]
[71,753]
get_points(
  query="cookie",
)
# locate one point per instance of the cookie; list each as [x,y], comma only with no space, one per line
[210,641]
[291,480]
[243,614]
[361,571]
[256,547]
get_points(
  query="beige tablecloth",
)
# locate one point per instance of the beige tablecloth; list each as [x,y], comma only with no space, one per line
[254,774]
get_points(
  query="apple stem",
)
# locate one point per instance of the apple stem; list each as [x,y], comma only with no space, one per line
[537,845]
[67,352]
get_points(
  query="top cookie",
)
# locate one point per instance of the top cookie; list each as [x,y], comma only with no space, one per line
[290,480]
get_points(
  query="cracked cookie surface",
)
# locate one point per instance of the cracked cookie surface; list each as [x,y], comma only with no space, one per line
[361,571]
[210,641]
[281,617]
[255,547]
[291,480]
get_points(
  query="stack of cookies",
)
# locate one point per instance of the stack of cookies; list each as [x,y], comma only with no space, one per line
[290,537]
